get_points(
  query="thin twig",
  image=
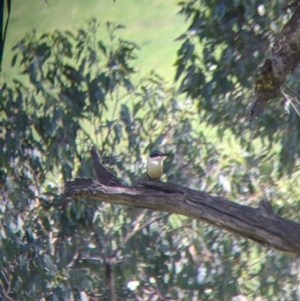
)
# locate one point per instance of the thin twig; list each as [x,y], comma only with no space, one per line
[136,229]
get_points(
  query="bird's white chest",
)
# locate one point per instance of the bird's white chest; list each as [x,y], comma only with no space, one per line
[155,167]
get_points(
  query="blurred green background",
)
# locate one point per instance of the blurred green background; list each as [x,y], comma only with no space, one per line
[152,24]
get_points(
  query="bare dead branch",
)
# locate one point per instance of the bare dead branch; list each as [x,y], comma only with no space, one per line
[259,224]
[103,175]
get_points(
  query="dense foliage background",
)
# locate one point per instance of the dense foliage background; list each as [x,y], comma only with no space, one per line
[77,91]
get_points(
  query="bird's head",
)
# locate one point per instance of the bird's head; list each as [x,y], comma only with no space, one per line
[157,153]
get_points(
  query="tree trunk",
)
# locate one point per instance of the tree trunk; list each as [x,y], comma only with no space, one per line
[285,58]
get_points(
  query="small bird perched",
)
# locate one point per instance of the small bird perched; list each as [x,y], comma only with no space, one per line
[155,164]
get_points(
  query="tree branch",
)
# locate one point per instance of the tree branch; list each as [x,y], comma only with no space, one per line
[259,224]
[285,58]
[103,175]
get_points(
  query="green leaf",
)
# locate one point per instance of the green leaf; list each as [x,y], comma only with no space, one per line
[49,263]
[125,115]
[13,60]
[102,48]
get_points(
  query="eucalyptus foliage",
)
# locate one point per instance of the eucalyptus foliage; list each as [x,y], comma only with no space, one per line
[217,63]
[76,91]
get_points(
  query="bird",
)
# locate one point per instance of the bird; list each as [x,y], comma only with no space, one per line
[155,164]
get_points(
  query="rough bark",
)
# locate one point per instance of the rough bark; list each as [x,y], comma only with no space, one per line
[259,224]
[285,58]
